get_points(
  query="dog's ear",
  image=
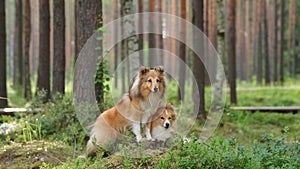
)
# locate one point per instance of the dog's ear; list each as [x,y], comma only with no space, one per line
[170,106]
[144,70]
[173,116]
[159,69]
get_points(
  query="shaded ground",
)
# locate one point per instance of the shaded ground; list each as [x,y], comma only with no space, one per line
[33,154]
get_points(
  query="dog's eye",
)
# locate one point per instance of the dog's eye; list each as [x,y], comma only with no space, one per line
[150,80]
[157,80]
[169,118]
[162,118]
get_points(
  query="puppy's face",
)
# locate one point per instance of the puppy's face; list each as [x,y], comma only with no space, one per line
[167,118]
[152,80]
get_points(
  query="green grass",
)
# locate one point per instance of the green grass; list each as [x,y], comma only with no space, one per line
[16,96]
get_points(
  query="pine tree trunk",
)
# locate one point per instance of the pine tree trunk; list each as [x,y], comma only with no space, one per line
[26,41]
[159,40]
[3,89]
[152,39]
[281,61]
[255,38]
[116,48]
[291,43]
[182,52]
[259,46]
[43,82]
[231,51]
[198,67]
[267,64]
[248,53]
[129,45]
[212,35]
[59,57]
[275,73]
[18,59]
[88,19]
[173,29]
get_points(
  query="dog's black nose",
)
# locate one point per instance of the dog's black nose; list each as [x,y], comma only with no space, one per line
[167,125]
[155,89]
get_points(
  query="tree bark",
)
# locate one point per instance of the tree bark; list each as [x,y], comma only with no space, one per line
[259,46]
[3,89]
[275,73]
[254,37]
[281,61]
[43,82]
[231,51]
[267,61]
[212,35]
[240,41]
[26,41]
[198,67]
[116,34]
[141,27]
[18,60]
[88,19]
[182,56]
[159,37]
[59,57]
[248,40]
[151,39]
[291,40]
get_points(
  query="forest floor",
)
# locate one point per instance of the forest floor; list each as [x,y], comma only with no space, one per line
[45,143]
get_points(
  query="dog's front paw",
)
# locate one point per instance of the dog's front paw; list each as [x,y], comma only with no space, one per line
[138,139]
[150,139]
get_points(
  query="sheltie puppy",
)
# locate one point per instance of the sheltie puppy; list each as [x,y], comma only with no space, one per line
[132,109]
[161,125]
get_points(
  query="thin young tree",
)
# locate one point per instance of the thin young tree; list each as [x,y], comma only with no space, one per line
[198,67]
[267,61]
[231,51]
[43,82]
[182,51]
[26,45]
[3,89]
[59,57]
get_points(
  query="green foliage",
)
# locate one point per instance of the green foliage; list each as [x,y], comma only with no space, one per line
[227,153]
[31,131]
[103,75]
[58,120]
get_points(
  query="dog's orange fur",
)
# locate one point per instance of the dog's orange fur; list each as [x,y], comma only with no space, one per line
[156,125]
[133,108]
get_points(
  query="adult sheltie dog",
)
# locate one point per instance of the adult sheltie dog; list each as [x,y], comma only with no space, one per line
[133,109]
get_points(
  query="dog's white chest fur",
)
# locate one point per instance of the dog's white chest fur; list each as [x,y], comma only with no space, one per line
[149,106]
[161,133]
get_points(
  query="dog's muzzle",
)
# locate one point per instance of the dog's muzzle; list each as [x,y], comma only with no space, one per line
[167,125]
[155,89]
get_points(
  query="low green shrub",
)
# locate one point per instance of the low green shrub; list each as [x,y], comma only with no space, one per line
[227,153]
